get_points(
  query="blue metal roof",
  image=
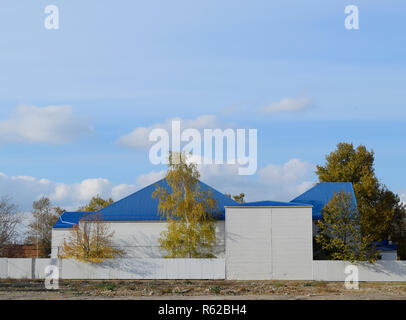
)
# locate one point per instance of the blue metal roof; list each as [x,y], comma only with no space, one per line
[69,219]
[269,204]
[321,194]
[140,206]
[385,246]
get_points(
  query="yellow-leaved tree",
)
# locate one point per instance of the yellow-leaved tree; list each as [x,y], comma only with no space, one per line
[90,241]
[188,210]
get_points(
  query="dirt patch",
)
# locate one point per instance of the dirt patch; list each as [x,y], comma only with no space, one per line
[204,289]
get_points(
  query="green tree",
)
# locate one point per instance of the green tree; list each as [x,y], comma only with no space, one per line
[95,204]
[375,202]
[340,231]
[238,197]
[40,229]
[188,210]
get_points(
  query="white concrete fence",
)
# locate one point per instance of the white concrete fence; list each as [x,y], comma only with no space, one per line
[115,269]
[383,270]
[211,269]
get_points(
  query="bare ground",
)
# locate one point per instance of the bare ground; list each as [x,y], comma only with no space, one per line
[199,289]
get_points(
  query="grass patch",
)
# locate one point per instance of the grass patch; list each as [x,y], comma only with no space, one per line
[278,284]
[315,284]
[110,286]
[309,284]
[215,289]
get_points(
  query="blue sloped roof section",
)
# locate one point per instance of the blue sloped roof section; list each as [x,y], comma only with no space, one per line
[69,219]
[269,204]
[140,206]
[321,194]
[385,246]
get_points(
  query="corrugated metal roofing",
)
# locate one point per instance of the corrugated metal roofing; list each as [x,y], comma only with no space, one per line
[321,194]
[69,219]
[140,206]
[385,246]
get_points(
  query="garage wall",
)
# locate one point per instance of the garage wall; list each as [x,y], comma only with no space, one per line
[269,243]
[248,243]
[138,239]
[292,247]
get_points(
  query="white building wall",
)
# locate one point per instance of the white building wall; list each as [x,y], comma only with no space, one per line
[389,255]
[248,243]
[58,236]
[269,243]
[292,245]
[139,239]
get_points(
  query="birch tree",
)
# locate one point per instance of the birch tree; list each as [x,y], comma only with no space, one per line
[188,210]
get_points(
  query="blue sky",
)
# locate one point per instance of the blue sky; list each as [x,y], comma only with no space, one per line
[114,66]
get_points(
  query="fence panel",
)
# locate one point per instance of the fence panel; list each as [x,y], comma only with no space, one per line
[145,269]
[20,268]
[378,271]
[3,268]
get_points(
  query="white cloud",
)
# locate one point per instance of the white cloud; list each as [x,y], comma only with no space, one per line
[288,104]
[151,177]
[272,182]
[139,137]
[402,195]
[24,190]
[52,124]
[290,172]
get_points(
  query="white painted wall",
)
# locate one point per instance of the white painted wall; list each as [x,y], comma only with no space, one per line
[139,239]
[326,270]
[185,269]
[248,243]
[116,269]
[145,269]
[292,244]
[269,243]
[3,268]
[19,268]
[389,255]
